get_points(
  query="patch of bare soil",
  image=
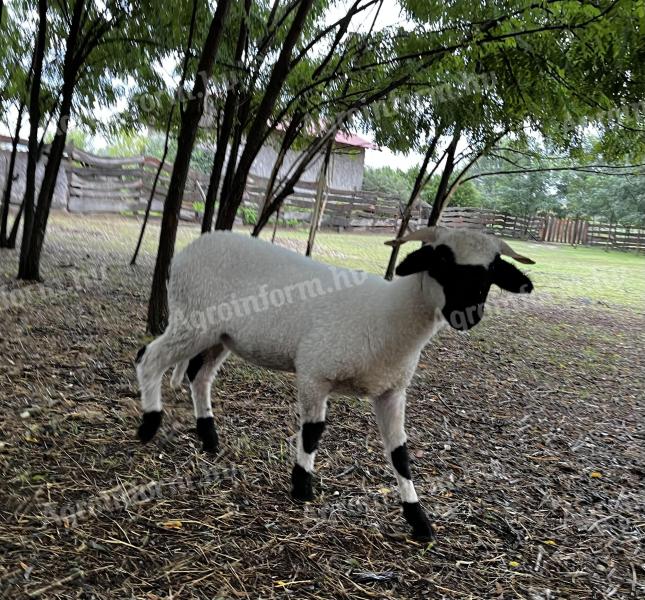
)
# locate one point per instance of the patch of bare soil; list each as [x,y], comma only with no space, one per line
[527,438]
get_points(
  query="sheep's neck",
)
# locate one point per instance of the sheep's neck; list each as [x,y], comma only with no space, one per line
[420,299]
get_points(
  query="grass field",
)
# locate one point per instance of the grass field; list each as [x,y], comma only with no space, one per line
[525,435]
[562,272]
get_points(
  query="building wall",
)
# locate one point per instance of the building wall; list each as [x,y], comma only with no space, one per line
[346,167]
[20,170]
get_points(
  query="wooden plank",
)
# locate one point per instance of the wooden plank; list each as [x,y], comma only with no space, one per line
[104,161]
[86,204]
[107,184]
[87,172]
[87,193]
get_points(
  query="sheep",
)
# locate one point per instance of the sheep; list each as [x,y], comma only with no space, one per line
[337,329]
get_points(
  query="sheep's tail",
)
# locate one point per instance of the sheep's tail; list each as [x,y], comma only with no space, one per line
[178,374]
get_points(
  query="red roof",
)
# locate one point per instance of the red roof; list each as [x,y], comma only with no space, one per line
[344,139]
[349,139]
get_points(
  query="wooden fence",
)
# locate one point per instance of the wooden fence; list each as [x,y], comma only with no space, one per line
[344,209]
[614,236]
[547,228]
[590,233]
[565,231]
[501,224]
[104,184]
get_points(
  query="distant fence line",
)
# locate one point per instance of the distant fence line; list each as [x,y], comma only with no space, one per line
[89,183]
[547,228]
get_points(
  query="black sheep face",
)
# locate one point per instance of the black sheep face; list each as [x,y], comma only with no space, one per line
[465,265]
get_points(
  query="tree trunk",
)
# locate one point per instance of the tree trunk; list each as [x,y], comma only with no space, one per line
[155,181]
[288,139]
[32,153]
[287,188]
[228,118]
[407,212]
[319,204]
[241,116]
[224,133]
[6,200]
[158,305]
[30,259]
[30,263]
[441,195]
[257,130]
[191,31]
[13,236]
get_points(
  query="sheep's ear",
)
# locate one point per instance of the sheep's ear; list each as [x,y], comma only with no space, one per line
[416,262]
[510,278]
[506,250]
[427,235]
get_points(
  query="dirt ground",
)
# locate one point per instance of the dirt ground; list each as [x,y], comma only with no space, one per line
[527,436]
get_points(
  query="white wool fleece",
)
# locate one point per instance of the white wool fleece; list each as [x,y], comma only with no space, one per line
[280,310]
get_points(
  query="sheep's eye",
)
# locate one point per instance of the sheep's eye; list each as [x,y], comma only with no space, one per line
[493,266]
[444,254]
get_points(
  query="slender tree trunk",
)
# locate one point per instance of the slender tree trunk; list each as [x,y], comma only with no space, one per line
[158,305]
[223,136]
[191,31]
[416,190]
[257,130]
[155,181]
[440,196]
[30,260]
[6,200]
[319,205]
[288,186]
[288,139]
[234,150]
[13,236]
[32,153]
[275,226]
[224,133]
[272,204]
[30,263]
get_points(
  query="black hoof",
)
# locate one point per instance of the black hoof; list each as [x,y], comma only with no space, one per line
[149,425]
[301,484]
[207,434]
[421,526]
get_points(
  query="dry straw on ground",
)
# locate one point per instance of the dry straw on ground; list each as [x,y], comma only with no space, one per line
[527,437]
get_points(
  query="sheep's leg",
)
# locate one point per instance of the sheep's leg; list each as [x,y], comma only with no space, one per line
[389,410]
[152,362]
[201,373]
[312,401]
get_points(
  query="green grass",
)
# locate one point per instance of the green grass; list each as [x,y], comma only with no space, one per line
[587,272]
[561,271]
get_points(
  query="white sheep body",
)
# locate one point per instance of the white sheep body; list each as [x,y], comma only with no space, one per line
[358,334]
[339,330]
